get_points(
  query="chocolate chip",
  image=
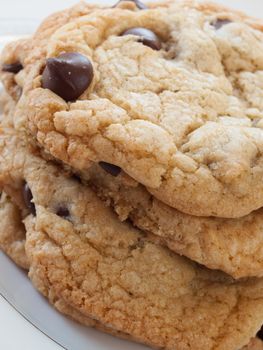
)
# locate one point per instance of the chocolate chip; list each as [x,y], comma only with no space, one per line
[68,75]
[260,333]
[114,170]
[146,36]
[220,23]
[63,212]
[27,195]
[12,67]
[76,178]
[138,3]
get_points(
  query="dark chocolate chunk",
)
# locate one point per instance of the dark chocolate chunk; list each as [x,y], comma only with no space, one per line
[76,178]
[63,212]
[114,170]
[68,75]
[138,3]
[12,67]
[260,333]
[220,23]
[146,36]
[28,197]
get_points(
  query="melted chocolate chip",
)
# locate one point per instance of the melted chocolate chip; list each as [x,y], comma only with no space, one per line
[68,75]
[146,36]
[114,170]
[220,23]
[12,67]
[138,3]
[63,212]
[27,195]
[260,333]
[76,178]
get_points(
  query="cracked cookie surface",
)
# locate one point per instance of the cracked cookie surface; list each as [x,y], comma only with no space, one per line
[10,226]
[12,233]
[231,245]
[13,242]
[185,120]
[108,270]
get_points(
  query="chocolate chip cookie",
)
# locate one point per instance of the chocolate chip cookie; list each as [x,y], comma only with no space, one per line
[111,272]
[19,55]
[12,242]
[13,235]
[170,94]
[230,245]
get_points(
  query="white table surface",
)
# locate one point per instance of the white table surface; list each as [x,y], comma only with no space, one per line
[22,17]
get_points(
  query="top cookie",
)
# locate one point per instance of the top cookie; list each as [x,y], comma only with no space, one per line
[170,94]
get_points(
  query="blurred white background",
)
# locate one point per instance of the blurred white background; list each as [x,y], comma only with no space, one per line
[23,16]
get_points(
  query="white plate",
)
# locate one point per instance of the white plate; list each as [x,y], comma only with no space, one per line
[19,291]
[19,17]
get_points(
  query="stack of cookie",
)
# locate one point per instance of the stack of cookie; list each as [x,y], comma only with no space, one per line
[131,170]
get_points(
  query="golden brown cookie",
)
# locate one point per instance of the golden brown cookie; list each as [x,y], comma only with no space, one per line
[12,242]
[14,231]
[175,104]
[111,272]
[230,245]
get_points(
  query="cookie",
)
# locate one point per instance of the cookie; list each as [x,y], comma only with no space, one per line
[12,242]
[231,245]
[19,55]
[11,216]
[171,95]
[17,254]
[255,344]
[12,233]
[109,271]
[13,239]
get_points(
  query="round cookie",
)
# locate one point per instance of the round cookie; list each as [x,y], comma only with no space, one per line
[14,247]
[12,233]
[18,56]
[12,242]
[177,108]
[231,245]
[109,271]
[13,239]
[42,284]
